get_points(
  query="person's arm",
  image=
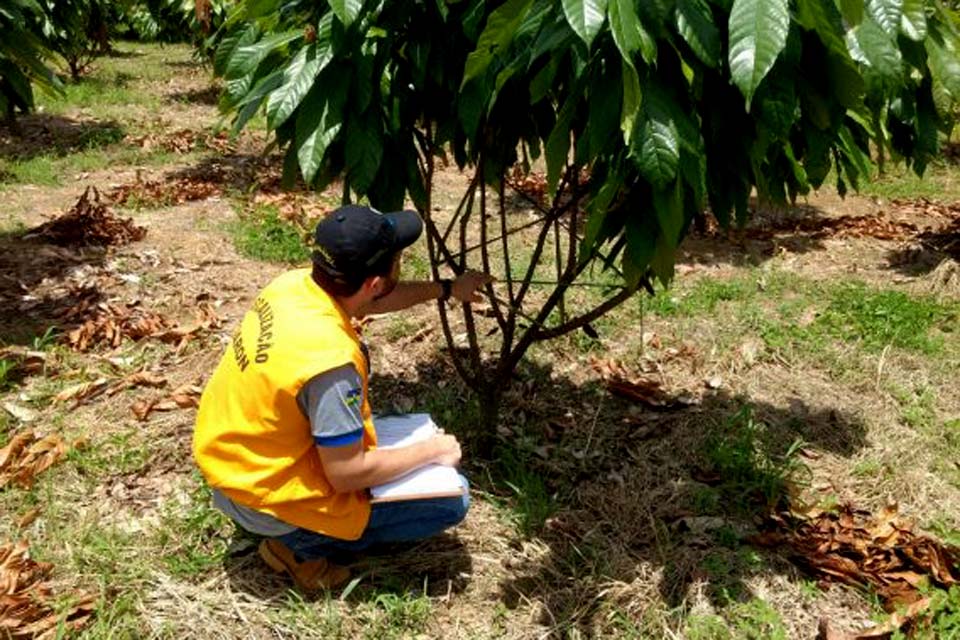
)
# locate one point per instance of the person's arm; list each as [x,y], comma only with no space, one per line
[350,468]
[413,292]
[333,401]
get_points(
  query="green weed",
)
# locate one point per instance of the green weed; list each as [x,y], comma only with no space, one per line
[398,615]
[6,369]
[263,235]
[310,618]
[530,502]
[756,620]
[190,536]
[749,476]
[707,627]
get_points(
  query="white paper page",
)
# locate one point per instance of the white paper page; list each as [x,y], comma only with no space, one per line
[403,430]
[433,478]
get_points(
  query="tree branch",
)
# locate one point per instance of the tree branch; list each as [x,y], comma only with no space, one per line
[573,324]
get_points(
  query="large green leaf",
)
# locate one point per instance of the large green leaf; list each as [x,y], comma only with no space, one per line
[880,54]
[346,10]
[913,22]
[852,11]
[668,204]
[758,33]
[695,24]
[944,61]
[364,150]
[640,231]
[557,148]
[318,123]
[886,13]
[826,21]
[299,75]
[246,58]
[631,100]
[656,145]
[585,17]
[628,32]
[496,37]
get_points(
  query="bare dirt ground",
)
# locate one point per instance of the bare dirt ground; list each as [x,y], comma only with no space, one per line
[601,517]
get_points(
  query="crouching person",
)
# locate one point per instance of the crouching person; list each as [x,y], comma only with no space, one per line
[284,434]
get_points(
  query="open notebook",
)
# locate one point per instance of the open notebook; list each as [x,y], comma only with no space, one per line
[431,481]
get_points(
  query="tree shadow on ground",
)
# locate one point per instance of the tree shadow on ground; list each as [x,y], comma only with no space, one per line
[441,565]
[931,249]
[208,96]
[35,291]
[620,506]
[45,134]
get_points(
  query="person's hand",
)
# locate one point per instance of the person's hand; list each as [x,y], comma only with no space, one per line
[465,287]
[447,450]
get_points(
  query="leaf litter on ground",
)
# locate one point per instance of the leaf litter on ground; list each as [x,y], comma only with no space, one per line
[27,599]
[27,455]
[109,324]
[183,397]
[880,552]
[88,223]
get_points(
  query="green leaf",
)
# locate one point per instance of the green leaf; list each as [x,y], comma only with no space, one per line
[558,143]
[585,17]
[668,204]
[246,58]
[880,54]
[250,103]
[913,21]
[298,77]
[628,32]
[346,10]
[495,38]
[631,100]
[364,151]
[640,232]
[758,33]
[596,214]
[886,13]
[944,61]
[695,24]
[230,43]
[318,123]
[604,109]
[852,11]
[826,21]
[656,146]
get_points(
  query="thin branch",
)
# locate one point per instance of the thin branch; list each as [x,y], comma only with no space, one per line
[512,309]
[573,324]
[484,244]
[432,248]
[460,205]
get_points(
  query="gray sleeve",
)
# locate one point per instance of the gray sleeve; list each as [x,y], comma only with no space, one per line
[332,402]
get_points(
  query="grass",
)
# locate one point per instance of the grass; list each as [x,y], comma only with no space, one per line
[263,235]
[748,476]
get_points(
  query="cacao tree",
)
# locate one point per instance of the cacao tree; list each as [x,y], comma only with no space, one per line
[646,114]
[22,58]
[77,30]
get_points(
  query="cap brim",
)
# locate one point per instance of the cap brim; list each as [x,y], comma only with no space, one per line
[407,225]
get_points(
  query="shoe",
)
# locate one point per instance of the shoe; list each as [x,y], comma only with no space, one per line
[311,575]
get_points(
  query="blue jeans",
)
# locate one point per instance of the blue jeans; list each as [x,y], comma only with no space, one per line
[400,521]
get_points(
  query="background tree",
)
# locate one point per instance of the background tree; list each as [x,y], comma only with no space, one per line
[22,56]
[647,115]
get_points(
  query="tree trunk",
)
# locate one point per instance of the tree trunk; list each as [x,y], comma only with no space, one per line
[490,399]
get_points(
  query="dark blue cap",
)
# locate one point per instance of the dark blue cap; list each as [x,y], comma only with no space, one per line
[355,242]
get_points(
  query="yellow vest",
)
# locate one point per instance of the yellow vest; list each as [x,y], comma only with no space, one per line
[251,440]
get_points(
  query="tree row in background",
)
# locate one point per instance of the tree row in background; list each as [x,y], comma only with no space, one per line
[40,36]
